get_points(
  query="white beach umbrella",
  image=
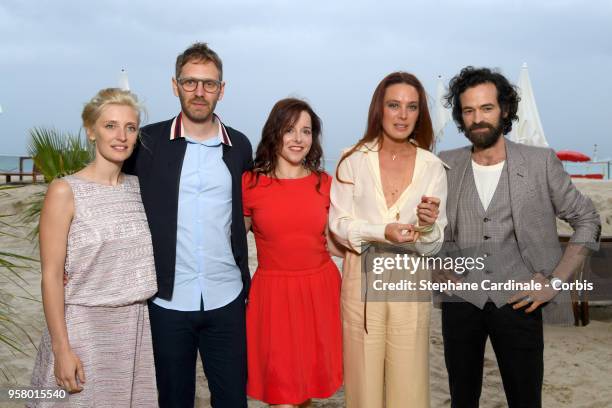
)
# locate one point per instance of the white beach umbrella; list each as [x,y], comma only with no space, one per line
[123,80]
[528,129]
[442,115]
[0,108]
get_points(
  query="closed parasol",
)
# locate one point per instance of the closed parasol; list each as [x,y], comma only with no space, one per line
[528,129]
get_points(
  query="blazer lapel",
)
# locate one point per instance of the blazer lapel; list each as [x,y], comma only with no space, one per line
[227,158]
[175,153]
[517,182]
[455,184]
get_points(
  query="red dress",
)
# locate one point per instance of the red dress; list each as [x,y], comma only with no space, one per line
[294,334]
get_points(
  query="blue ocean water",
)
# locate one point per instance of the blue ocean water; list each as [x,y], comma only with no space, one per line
[11,164]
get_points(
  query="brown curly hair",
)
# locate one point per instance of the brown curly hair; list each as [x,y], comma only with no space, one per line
[284,114]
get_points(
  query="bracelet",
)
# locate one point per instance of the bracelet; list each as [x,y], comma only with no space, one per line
[424,229]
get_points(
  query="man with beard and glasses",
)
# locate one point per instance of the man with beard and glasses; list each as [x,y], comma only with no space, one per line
[190,170]
[503,200]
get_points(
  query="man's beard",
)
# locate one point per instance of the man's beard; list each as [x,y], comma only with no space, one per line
[200,116]
[484,140]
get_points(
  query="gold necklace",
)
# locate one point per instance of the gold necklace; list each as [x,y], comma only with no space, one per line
[394,155]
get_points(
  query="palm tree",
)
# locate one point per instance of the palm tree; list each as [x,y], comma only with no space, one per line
[55,154]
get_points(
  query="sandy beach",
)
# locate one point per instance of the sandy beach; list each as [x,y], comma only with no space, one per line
[577,359]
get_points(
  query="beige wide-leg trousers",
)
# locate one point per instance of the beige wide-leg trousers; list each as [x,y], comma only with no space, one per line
[389,365]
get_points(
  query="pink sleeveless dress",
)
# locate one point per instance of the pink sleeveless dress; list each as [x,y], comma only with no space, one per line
[111,274]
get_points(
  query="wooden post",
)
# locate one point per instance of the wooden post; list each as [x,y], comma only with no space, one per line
[21,168]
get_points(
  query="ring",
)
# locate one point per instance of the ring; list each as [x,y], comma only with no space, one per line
[404,232]
[528,299]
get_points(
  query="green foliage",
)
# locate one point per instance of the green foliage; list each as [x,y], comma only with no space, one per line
[11,267]
[56,154]
[31,213]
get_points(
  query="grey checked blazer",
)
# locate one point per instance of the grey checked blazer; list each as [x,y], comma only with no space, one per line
[540,190]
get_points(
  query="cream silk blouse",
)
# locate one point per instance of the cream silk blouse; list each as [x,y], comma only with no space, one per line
[359,213]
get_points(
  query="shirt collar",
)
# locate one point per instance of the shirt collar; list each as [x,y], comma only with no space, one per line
[178,131]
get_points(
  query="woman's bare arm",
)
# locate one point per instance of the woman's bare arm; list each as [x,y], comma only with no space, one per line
[55,218]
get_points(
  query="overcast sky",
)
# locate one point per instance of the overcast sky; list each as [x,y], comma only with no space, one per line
[55,55]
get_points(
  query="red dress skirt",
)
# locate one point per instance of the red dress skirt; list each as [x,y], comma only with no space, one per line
[294,334]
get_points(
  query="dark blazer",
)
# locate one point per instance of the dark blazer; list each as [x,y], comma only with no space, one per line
[157,161]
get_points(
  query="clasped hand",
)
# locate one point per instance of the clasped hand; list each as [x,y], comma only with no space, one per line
[428,210]
[427,214]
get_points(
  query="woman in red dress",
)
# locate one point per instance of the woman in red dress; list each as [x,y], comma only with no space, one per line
[294,335]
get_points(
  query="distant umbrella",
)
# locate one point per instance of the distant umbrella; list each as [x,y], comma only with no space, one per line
[570,155]
[528,130]
[0,108]
[123,80]
[442,114]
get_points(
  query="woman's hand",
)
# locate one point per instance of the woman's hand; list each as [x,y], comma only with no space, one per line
[68,371]
[400,233]
[428,210]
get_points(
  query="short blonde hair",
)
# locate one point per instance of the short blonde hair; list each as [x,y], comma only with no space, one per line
[109,96]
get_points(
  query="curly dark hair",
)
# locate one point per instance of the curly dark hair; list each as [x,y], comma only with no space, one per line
[507,96]
[284,114]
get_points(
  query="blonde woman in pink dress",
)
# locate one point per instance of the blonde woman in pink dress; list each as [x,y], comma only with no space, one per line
[94,234]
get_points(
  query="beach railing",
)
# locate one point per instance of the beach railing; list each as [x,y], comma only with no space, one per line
[596,270]
[596,170]
[20,173]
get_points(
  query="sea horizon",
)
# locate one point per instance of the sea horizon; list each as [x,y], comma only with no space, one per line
[10,163]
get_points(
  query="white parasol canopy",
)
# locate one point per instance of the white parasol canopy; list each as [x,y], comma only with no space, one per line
[528,129]
[442,115]
[0,108]
[123,80]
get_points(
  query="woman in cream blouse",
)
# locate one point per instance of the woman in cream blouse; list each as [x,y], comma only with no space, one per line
[388,188]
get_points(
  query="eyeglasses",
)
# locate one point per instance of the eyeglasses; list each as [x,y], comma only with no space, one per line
[191,84]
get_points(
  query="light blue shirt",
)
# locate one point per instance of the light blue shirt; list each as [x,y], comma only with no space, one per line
[205,267]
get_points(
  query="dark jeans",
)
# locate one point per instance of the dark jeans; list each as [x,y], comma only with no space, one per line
[517,339]
[220,335]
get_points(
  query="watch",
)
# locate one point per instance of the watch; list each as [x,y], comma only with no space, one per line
[555,283]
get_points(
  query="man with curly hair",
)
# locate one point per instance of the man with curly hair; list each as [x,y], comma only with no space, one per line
[503,200]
